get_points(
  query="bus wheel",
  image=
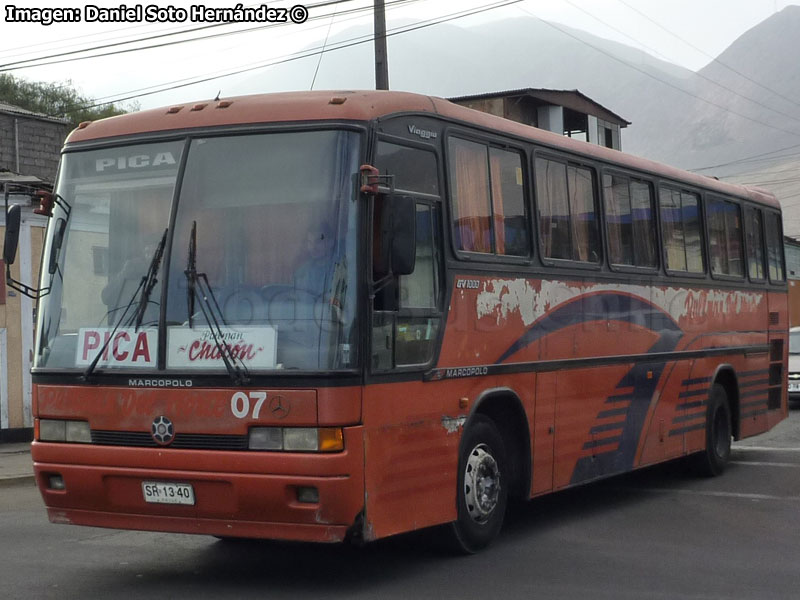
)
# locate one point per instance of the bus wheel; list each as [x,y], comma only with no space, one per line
[714,458]
[482,486]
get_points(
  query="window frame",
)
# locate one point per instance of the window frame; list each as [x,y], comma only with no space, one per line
[668,185]
[779,216]
[764,265]
[631,176]
[498,143]
[569,160]
[712,197]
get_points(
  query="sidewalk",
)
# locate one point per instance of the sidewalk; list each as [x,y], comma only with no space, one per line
[16,466]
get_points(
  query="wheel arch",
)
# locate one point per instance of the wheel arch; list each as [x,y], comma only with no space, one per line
[725,375]
[503,406]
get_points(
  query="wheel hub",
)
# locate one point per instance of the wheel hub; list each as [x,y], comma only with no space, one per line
[481,483]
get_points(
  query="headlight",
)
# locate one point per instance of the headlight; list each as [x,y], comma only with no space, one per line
[57,430]
[297,439]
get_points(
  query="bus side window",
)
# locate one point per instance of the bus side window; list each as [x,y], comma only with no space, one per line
[725,237]
[755,244]
[630,222]
[488,199]
[568,223]
[777,273]
[680,225]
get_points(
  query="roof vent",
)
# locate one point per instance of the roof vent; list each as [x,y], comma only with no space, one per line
[84,124]
[337,100]
[224,103]
[174,109]
[199,106]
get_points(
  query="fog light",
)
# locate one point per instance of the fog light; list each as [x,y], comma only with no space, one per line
[51,430]
[300,439]
[309,495]
[56,482]
[266,438]
[78,431]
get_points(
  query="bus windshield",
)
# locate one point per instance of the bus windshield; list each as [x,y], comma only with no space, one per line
[257,257]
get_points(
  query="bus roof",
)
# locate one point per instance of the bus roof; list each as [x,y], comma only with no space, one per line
[365,106]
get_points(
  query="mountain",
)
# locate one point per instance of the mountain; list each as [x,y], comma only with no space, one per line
[743,104]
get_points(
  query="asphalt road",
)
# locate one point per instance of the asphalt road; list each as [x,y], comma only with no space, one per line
[658,533]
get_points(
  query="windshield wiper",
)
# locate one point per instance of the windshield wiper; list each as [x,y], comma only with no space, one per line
[199,288]
[145,286]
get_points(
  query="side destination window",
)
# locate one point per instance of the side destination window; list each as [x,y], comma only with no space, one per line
[488,199]
[630,219]
[568,224]
[414,169]
[777,273]
[680,226]
[725,237]
[755,244]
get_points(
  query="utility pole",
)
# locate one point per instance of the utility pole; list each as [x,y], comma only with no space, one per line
[381,61]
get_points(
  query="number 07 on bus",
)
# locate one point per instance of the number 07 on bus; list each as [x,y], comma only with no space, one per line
[343,316]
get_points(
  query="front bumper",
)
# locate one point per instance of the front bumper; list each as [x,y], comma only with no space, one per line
[237,494]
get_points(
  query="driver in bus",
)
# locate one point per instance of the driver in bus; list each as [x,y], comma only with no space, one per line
[121,285]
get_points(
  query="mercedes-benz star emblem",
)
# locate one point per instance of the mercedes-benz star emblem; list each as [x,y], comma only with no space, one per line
[162,430]
[279,407]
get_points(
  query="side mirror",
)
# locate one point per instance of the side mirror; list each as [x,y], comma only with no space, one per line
[13,217]
[403,250]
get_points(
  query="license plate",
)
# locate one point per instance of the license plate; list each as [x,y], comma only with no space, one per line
[794,386]
[159,492]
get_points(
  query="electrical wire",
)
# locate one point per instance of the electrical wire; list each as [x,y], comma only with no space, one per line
[662,81]
[305,54]
[58,58]
[697,74]
[713,58]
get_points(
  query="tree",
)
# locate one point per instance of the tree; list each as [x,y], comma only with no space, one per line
[56,100]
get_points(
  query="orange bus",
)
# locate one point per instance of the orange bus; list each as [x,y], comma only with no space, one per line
[334,316]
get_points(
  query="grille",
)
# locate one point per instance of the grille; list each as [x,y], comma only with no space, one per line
[184,441]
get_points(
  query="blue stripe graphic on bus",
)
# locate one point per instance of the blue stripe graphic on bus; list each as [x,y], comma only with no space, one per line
[623,436]
[598,307]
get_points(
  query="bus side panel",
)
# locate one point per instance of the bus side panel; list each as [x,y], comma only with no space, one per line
[412,436]
[779,305]
[411,447]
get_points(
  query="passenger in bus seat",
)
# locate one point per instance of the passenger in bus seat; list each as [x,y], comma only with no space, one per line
[313,275]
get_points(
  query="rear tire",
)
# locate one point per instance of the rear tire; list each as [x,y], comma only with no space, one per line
[713,460]
[482,493]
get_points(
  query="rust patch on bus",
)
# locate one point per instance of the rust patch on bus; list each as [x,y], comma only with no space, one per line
[453,424]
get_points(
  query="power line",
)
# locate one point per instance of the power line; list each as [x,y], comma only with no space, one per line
[111,97]
[697,74]
[311,52]
[753,158]
[706,54]
[109,33]
[12,66]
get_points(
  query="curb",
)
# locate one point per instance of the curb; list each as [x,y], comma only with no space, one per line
[15,480]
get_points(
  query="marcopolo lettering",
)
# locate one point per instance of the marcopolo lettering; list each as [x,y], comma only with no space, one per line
[466,372]
[161,383]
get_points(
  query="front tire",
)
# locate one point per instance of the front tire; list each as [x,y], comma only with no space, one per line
[713,460]
[483,482]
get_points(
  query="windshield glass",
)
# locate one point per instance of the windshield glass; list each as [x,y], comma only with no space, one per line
[275,229]
[273,284]
[120,204]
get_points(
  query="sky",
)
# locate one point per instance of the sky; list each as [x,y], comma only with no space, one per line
[685,32]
